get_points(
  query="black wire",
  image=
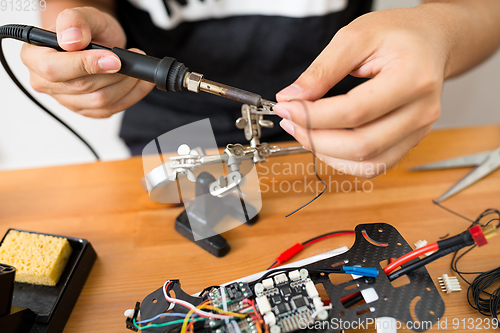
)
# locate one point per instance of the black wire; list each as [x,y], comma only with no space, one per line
[313,239]
[452,212]
[274,263]
[352,301]
[422,262]
[486,306]
[289,269]
[34,100]
[308,125]
[324,235]
[486,303]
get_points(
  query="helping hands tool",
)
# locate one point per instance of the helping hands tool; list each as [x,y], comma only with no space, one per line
[484,162]
[216,197]
[167,74]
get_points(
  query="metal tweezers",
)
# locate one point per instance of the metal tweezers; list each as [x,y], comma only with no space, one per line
[485,163]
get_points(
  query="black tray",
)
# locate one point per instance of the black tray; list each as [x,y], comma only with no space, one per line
[53,305]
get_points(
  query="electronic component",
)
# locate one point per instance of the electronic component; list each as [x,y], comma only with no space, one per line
[238,291]
[294,275]
[233,294]
[268,283]
[290,303]
[280,278]
[449,284]
[422,243]
[287,299]
[231,298]
[263,304]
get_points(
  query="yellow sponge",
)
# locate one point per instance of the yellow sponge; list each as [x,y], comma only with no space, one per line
[38,259]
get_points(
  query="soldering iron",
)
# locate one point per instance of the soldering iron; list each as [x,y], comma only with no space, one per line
[167,74]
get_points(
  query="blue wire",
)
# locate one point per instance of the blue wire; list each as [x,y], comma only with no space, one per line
[170,314]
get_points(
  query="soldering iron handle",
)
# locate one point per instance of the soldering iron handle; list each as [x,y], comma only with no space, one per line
[46,38]
[167,73]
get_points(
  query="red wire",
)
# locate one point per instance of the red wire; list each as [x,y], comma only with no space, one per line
[410,256]
[297,248]
[345,298]
[329,236]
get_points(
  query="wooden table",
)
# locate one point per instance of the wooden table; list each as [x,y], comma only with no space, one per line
[138,248]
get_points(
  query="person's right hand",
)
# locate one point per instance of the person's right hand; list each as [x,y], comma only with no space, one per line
[84,81]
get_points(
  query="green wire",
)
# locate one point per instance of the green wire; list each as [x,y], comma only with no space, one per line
[166,324]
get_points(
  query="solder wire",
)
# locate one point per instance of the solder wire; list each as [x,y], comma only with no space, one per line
[313,150]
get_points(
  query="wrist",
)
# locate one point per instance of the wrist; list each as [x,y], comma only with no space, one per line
[468,31]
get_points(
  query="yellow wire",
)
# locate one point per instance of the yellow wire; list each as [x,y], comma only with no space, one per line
[210,307]
[239,315]
[186,320]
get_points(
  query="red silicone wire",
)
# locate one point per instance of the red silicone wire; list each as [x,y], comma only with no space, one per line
[410,256]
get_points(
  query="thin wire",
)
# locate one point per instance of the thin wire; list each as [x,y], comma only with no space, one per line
[34,100]
[313,150]
[165,324]
[452,212]
[192,307]
[490,305]
[166,314]
[272,266]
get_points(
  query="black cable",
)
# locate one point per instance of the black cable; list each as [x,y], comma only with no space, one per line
[289,269]
[447,246]
[452,212]
[274,263]
[422,262]
[486,303]
[308,125]
[5,32]
[352,301]
[488,306]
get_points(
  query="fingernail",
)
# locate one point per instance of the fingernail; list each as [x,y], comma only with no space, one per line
[71,35]
[287,126]
[109,63]
[282,112]
[291,91]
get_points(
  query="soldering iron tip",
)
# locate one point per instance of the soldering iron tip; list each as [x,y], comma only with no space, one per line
[265,102]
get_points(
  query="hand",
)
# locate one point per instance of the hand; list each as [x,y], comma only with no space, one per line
[369,129]
[84,81]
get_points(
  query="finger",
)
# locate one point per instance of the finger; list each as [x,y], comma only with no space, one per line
[388,91]
[76,27]
[379,164]
[55,66]
[372,139]
[98,99]
[140,90]
[81,85]
[343,54]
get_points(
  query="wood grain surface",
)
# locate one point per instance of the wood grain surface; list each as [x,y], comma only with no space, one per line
[138,248]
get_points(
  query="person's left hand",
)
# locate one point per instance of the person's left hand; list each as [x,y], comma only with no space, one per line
[369,129]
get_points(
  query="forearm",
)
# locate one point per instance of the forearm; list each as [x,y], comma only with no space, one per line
[54,7]
[470,31]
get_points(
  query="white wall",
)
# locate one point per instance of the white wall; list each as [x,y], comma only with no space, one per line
[472,98]
[29,138]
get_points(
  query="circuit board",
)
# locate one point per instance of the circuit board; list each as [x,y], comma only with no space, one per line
[232,298]
[289,302]
[286,299]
